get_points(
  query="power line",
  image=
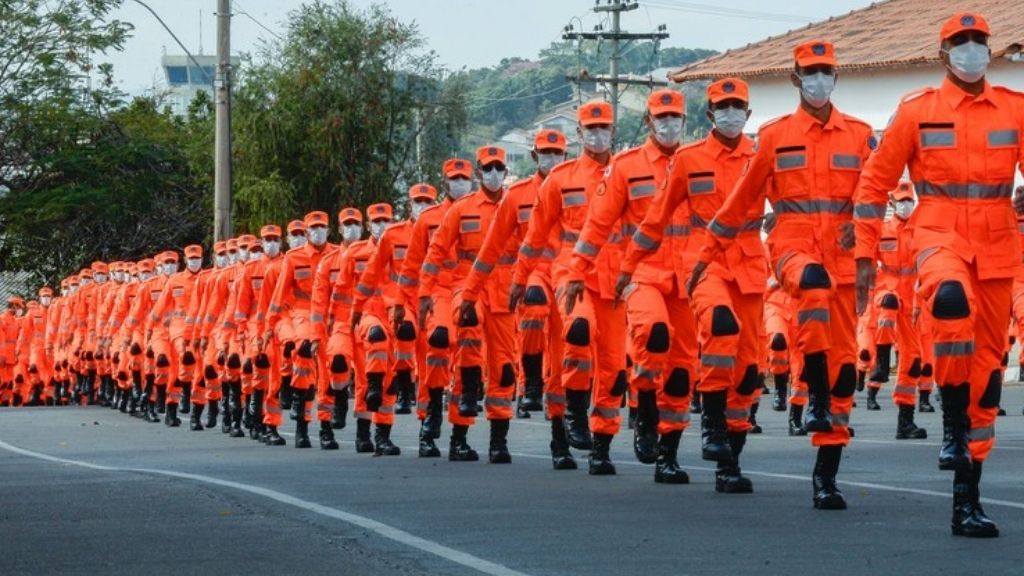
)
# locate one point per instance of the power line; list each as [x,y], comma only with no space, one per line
[180,45]
[488,101]
[239,10]
[711,10]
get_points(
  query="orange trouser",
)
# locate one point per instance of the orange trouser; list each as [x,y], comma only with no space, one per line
[1018,318]
[968,324]
[896,326]
[165,367]
[489,344]
[540,333]
[782,355]
[663,347]
[440,335]
[594,336]
[377,341]
[339,368]
[826,322]
[728,323]
[271,403]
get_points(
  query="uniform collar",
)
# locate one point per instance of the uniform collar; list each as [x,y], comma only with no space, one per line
[953,95]
[653,153]
[588,163]
[805,121]
[715,147]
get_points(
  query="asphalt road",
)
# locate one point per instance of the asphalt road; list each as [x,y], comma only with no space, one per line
[91,491]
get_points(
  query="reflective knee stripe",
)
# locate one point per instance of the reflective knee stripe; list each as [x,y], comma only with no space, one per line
[301,372]
[364,415]
[272,409]
[437,362]
[905,389]
[377,355]
[718,361]
[643,372]
[404,356]
[606,412]
[813,314]
[573,363]
[469,343]
[557,399]
[672,416]
[841,418]
[324,409]
[799,393]
[886,323]
[780,362]
[497,402]
[737,413]
[386,409]
[979,434]
[963,348]
[531,325]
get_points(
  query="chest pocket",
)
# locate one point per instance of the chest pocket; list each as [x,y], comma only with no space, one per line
[938,142]
[791,171]
[574,207]
[178,292]
[257,282]
[701,183]
[642,187]
[154,295]
[1002,147]
[523,213]
[888,245]
[400,250]
[470,232]
[430,231]
[301,273]
[334,275]
[360,266]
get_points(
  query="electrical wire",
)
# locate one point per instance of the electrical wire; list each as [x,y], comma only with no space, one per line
[711,10]
[180,45]
[239,10]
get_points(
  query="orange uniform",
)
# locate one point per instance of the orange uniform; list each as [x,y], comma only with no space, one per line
[1018,305]
[175,360]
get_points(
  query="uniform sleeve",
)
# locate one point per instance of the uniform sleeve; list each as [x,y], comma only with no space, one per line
[502,228]
[370,279]
[603,212]
[270,277]
[543,220]
[321,297]
[648,236]
[881,173]
[409,276]
[281,288]
[156,314]
[440,246]
[243,299]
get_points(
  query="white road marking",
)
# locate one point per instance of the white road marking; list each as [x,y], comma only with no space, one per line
[385,530]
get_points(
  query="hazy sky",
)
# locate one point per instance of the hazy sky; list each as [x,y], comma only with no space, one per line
[471,33]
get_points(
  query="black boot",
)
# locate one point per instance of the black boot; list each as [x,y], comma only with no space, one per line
[905,427]
[340,412]
[186,397]
[225,407]
[301,427]
[600,460]
[533,385]
[327,441]
[781,392]
[755,428]
[695,403]
[274,438]
[151,415]
[161,399]
[969,518]
[255,410]
[861,377]
[924,403]
[374,391]
[645,434]
[714,442]
[471,377]
[236,410]
[122,405]
[631,418]
[382,444]
[521,412]
[577,402]
[432,421]
[285,394]
[363,443]
[872,403]
[883,364]
[955,424]
[796,420]
[826,495]
[666,469]
[497,453]
[818,416]
[728,477]
[195,418]
[561,458]
[403,384]
[171,416]
[428,449]
[211,416]
[136,393]
[459,450]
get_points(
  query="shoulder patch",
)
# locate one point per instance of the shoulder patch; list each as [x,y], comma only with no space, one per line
[917,94]
[773,121]
[1008,90]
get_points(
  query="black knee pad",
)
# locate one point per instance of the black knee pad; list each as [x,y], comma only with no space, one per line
[677,384]
[864,355]
[579,333]
[234,362]
[890,302]
[1006,359]
[779,343]
[262,361]
[927,371]
[162,361]
[846,382]
[188,358]
[915,368]
[508,375]
[32,369]
[289,347]
[406,332]
[247,366]
[814,276]
[535,296]
[135,350]
[376,334]
[339,365]
[439,338]
[658,340]
[621,384]
[470,319]
[750,382]
[210,373]
[950,301]
[723,322]
[149,353]
[993,390]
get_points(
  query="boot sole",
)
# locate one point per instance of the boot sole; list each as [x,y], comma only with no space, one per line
[423,454]
[958,531]
[564,465]
[684,479]
[912,436]
[830,504]
[601,471]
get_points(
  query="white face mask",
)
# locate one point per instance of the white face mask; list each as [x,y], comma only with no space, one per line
[144,276]
[730,121]
[668,131]
[597,140]
[317,235]
[817,88]
[459,188]
[272,247]
[493,180]
[351,232]
[243,255]
[547,161]
[44,300]
[101,278]
[170,268]
[220,260]
[969,61]
[85,281]
[194,264]
[904,208]
[417,208]
[377,228]
[296,240]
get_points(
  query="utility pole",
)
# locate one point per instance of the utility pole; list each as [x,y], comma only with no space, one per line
[222,228]
[616,36]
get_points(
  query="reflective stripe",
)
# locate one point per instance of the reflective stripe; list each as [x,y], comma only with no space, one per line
[643,372]
[467,226]
[406,281]
[467,255]
[670,416]
[316,317]
[576,199]
[936,138]
[797,393]
[570,236]
[524,214]
[906,390]
[364,290]
[469,343]
[866,211]
[393,277]
[961,191]
[363,415]
[888,245]
[642,191]
[814,206]
[377,355]
[558,399]
[529,252]
[531,325]
[962,348]
[507,260]
[717,361]
[845,161]
[1002,137]
[677,230]
[754,224]
[302,274]
[606,412]
[813,314]
[697,222]
[644,242]
[702,186]
[586,248]
[549,254]
[437,362]
[406,356]
[431,268]
[629,229]
[790,161]
[483,267]
[386,409]
[300,294]
[719,229]
[572,363]
[737,413]
[343,298]
[841,418]
[886,323]
[986,433]
[924,254]
[499,402]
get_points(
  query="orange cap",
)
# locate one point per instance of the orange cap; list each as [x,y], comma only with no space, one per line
[85,273]
[193,251]
[246,240]
[594,112]
[317,218]
[418,191]
[100,267]
[270,230]
[457,167]
[133,269]
[15,301]
[814,53]
[231,244]
[296,226]
[548,140]
[73,280]
[962,21]
[728,89]
[220,247]
[65,283]
[168,257]
[350,215]
[489,154]
[45,291]
[905,191]
[666,101]
[147,265]
[380,211]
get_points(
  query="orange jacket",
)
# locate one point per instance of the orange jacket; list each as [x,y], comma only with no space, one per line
[702,176]
[462,233]
[271,273]
[962,152]
[630,184]
[381,275]
[560,212]
[322,302]
[354,263]
[896,270]
[8,337]
[294,289]
[147,296]
[422,233]
[171,310]
[809,171]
